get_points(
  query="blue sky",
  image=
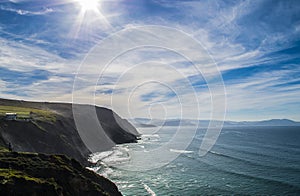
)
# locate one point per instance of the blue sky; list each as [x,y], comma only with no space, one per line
[255,44]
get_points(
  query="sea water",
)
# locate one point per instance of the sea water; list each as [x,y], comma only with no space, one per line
[244,160]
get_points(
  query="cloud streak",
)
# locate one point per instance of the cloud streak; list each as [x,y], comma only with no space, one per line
[27,12]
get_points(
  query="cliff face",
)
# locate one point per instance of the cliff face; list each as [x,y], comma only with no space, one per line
[52,129]
[44,137]
[40,174]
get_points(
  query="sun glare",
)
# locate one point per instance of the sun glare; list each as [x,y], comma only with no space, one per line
[90,12]
[87,5]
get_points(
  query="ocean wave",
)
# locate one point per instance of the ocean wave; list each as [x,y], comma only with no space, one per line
[256,153]
[181,151]
[94,169]
[264,179]
[106,172]
[246,175]
[150,135]
[121,182]
[234,158]
[117,155]
[149,139]
[251,162]
[95,157]
[149,190]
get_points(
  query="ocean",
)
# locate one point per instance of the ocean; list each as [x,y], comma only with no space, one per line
[244,161]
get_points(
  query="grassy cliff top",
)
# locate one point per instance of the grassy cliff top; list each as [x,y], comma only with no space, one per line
[24,112]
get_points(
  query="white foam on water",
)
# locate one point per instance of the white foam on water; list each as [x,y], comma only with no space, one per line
[122,182]
[95,157]
[113,160]
[94,169]
[131,186]
[146,139]
[214,152]
[171,166]
[107,172]
[181,151]
[149,190]
[105,160]
[151,136]
[118,155]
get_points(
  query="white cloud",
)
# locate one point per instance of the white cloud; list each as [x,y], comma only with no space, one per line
[18,56]
[27,12]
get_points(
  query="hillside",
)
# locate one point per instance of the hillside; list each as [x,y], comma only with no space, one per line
[50,128]
[40,174]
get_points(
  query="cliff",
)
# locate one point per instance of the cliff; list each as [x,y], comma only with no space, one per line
[50,128]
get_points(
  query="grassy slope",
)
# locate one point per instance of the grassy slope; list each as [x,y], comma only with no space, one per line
[40,174]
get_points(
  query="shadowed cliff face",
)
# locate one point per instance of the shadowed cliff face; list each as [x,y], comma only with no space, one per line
[39,174]
[60,134]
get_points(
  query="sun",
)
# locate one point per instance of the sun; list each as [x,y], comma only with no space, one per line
[88,5]
[90,13]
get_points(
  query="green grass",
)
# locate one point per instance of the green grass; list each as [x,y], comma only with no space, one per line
[3,149]
[8,174]
[23,113]
[49,172]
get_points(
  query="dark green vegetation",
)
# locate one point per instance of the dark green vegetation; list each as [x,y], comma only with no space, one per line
[40,174]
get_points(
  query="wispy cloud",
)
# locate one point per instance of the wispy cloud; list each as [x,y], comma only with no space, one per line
[27,12]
